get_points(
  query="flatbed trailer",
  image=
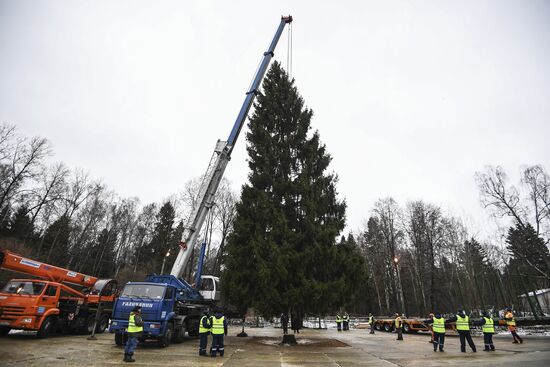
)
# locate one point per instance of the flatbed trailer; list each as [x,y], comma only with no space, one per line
[410,325]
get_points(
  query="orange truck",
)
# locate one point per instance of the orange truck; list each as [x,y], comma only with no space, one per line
[61,300]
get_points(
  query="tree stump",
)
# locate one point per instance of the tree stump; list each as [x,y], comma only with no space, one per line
[289,339]
[242,334]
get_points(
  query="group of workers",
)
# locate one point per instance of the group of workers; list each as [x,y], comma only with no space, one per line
[215,325]
[342,322]
[463,327]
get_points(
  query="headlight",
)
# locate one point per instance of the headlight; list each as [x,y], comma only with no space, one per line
[114,323]
[26,320]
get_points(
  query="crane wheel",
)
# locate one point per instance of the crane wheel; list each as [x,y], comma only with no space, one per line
[4,330]
[120,339]
[179,335]
[164,341]
[102,324]
[47,327]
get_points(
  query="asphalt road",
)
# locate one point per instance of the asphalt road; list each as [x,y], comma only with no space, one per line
[262,348]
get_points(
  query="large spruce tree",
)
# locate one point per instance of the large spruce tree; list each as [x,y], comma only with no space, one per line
[282,254]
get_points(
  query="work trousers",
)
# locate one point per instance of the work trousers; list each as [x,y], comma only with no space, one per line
[439,340]
[339,326]
[465,335]
[488,340]
[516,337]
[217,345]
[285,329]
[131,345]
[345,325]
[203,343]
[372,328]
[399,333]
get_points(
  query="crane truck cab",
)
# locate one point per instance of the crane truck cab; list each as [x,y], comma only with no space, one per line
[170,307]
[51,304]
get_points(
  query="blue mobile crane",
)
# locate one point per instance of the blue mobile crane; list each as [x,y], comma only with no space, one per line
[170,306]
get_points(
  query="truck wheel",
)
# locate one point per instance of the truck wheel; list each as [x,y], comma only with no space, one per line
[377,326]
[120,339]
[88,325]
[47,327]
[164,341]
[179,334]
[406,328]
[4,330]
[387,327]
[102,324]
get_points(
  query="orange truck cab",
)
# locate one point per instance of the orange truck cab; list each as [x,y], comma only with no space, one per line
[50,304]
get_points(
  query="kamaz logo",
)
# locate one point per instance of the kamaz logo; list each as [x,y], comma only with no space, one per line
[141,304]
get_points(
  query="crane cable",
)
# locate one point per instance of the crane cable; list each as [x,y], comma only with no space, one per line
[289,52]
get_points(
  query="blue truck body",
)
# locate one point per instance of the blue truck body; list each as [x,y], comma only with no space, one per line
[170,307]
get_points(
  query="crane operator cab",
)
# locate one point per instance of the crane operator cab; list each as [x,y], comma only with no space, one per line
[210,288]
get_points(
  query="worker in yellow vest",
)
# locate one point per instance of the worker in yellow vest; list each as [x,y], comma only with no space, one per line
[339,322]
[463,328]
[371,323]
[345,322]
[205,326]
[399,326]
[511,323]
[438,327]
[135,330]
[488,328]
[219,329]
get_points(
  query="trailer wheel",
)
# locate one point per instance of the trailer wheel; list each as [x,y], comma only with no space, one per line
[164,341]
[46,328]
[4,330]
[387,327]
[179,335]
[406,327]
[120,339]
[102,324]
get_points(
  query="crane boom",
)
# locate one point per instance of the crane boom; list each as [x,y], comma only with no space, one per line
[220,158]
[20,264]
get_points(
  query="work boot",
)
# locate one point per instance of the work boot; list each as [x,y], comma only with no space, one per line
[515,342]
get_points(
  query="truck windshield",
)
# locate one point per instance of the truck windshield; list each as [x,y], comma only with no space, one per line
[16,287]
[143,291]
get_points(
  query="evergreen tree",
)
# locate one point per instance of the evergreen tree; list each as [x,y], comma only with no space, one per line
[163,238]
[55,242]
[20,225]
[282,253]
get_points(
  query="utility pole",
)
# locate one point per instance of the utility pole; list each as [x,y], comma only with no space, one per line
[400,286]
[164,262]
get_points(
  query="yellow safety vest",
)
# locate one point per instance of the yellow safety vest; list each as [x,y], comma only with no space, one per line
[462,323]
[345,318]
[217,326]
[202,329]
[398,322]
[338,318]
[132,328]
[510,322]
[439,325]
[371,319]
[489,326]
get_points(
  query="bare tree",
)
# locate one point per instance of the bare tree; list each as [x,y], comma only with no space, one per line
[24,163]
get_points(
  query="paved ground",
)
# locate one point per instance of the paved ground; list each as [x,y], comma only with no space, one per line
[316,348]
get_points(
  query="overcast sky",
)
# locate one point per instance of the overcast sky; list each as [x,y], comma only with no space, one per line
[410,97]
